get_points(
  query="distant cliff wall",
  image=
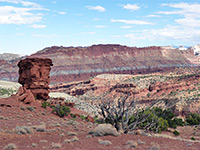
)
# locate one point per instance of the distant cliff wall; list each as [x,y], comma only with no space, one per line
[77,63]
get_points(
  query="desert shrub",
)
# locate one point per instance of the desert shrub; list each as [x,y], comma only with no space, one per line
[45,104]
[169,116]
[83,117]
[148,95]
[73,115]
[152,122]
[10,146]
[124,117]
[193,119]
[95,118]
[173,123]
[61,111]
[7,91]
[192,138]
[176,133]
[31,108]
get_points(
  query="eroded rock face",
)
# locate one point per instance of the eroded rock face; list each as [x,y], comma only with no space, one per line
[34,75]
[25,95]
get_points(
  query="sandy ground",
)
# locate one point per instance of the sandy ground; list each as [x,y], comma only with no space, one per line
[9,85]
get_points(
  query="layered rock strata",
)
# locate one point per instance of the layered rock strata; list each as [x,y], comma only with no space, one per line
[80,63]
[34,75]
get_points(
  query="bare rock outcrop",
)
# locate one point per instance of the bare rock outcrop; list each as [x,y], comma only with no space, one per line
[25,95]
[34,76]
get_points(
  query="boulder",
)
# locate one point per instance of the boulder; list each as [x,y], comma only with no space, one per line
[104,129]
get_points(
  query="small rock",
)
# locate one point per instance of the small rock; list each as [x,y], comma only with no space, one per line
[138,132]
[71,133]
[131,144]
[88,136]
[23,130]
[3,118]
[146,134]
[62,134]
[43,141]
[30,108]
[22,108]
[104,129]
[34,145]
[189,144]
[43,113]
[71,140]
[40,128]
[106,142]
[51,130]
[155,146]
[56,145]
[10,146]
[141,142]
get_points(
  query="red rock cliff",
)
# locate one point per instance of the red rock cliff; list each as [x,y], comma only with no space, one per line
[76,63]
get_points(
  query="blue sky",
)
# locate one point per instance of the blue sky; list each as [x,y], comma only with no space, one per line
[27,26]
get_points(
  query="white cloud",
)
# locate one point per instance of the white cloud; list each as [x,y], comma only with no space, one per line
[44,36]
[100,26]
[29,4]
[186,7]
[62,13]
[20,15]
[126,27]
[54,2]
[175,33]
[23,3]
[98,8]
[138,22]
[190,22]
[190,12]
[156,16]
[10,1]
[131,7]
[38,26]
[186,28]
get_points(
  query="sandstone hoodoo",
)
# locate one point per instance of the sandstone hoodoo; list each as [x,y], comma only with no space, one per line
[34,75]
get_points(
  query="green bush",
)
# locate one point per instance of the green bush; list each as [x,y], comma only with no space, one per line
[73,115]
[160,124]
[45,104]
[7,91]
[176,122]
[192,138]
[176,133]
[61,111]
[168,115]
[193,119]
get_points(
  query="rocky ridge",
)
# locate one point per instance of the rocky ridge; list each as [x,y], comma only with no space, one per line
[78,63]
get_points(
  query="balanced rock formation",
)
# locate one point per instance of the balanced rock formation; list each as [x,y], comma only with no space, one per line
[34,75]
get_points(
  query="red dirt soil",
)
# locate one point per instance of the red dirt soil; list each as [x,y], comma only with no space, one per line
[12,115]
